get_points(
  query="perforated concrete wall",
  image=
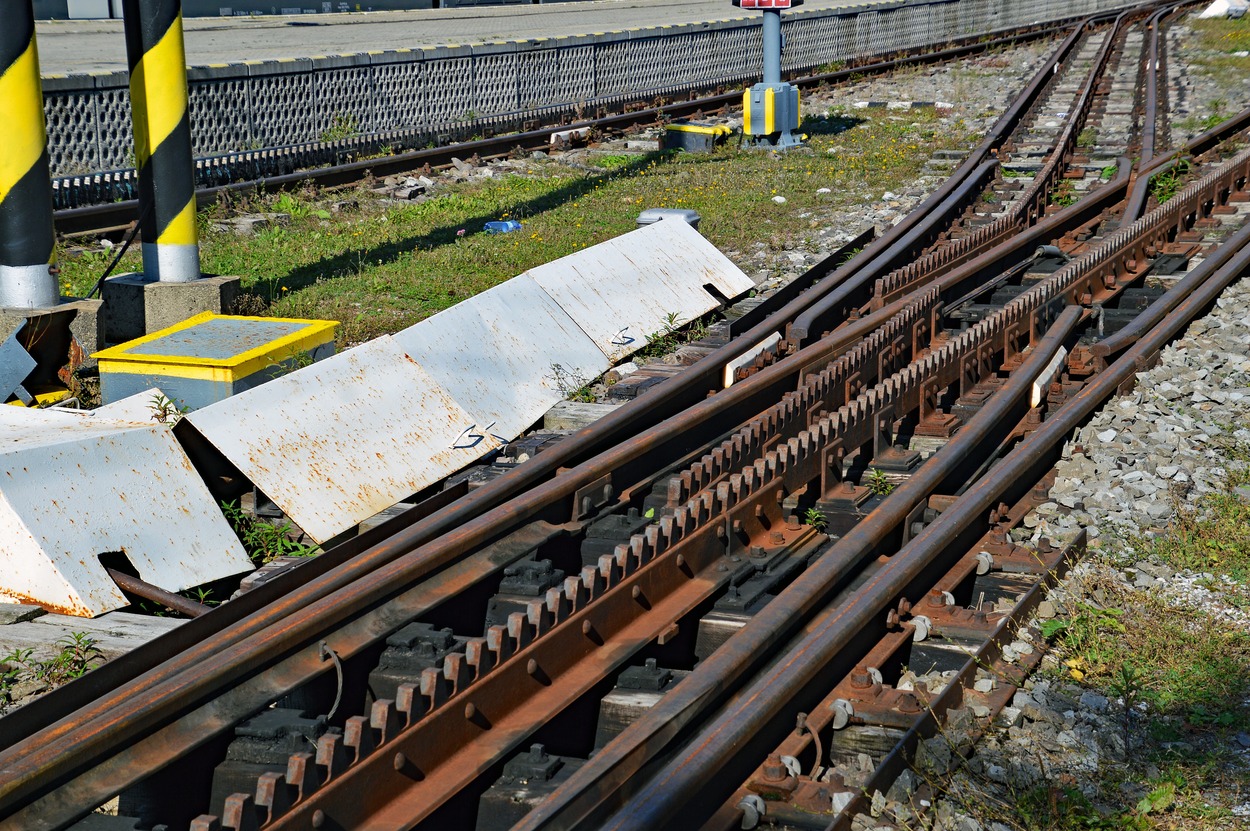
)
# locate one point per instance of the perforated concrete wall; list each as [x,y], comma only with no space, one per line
[490,86]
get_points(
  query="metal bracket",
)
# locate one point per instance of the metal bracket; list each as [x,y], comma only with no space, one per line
[592,497]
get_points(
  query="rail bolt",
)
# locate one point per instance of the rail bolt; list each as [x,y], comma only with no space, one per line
[774,770]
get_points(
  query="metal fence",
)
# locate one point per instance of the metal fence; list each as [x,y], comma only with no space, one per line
[259,104]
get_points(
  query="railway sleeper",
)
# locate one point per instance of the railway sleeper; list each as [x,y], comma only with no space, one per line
[360,746]
[771,771]
[848,747]
[487,660]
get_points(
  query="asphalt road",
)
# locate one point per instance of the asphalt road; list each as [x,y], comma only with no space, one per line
[75,46]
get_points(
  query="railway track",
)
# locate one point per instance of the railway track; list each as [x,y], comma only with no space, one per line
[106,202]
[777,548]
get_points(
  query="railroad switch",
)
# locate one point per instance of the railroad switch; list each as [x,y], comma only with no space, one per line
[1174,259]
[522,582]
[409,652]
[775,780]
[263,744]
[633,386]
[527,779]
[638,689]
[737,606]
[971,402]
[770,109]
[896,460]
[479,475]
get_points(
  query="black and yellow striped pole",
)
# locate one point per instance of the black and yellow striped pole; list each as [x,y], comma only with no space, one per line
[162,126]
[26,236]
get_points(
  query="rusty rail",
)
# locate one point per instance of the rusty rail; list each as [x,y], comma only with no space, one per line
[701,773]
[396,574]
[597,783]
[347,562]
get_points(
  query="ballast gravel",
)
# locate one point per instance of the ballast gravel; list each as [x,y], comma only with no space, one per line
[1127,472]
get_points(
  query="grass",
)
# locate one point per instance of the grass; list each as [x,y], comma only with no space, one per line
[1220,34]
[78,654]
[1218,41]
[381,266]
[1181,676]
[1176,676]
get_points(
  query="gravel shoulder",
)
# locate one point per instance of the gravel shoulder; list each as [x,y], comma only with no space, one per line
[1139,716]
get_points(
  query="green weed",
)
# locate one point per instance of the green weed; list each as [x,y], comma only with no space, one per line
[571,384]
[1064,194]
[264,541]
[167,411]
[816,518]
[79,653]
[878,483]
[1167,184]
[344,126]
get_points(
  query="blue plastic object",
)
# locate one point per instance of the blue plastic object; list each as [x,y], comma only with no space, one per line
[502,227]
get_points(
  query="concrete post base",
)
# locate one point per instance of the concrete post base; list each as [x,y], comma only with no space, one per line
[135,305]
[49,330]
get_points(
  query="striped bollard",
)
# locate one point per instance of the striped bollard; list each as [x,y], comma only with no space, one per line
[162,128]
[27,239]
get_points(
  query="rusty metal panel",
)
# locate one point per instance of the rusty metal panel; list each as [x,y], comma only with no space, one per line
[77,485]
[335,442]
[505,355]
[640,283]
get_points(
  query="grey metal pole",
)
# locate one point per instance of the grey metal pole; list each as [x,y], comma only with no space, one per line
[27,239]
[772,46]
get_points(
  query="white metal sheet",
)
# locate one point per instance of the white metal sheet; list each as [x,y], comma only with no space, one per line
[75,486]
[1046,377]
[140,407]
[628,288]
[505,355]
[335,442]
[768,344]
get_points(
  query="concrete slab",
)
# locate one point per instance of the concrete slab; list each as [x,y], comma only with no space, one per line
[99,45]
[115,633]
[336,442]
[135,304]
[19,613]
[574,415]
